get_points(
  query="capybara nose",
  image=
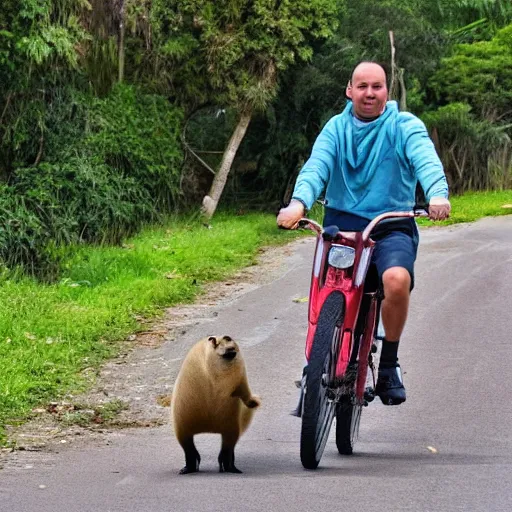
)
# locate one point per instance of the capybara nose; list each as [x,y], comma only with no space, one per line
[229,354]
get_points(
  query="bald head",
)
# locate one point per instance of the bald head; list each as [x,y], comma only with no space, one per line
[368,91]
[368,68]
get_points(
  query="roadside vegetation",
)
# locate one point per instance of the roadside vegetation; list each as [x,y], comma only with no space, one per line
[117,116]
[53,337]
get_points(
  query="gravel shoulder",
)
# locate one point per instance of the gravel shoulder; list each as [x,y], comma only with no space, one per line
[138,383]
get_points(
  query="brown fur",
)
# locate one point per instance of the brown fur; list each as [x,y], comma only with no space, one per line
[211,394]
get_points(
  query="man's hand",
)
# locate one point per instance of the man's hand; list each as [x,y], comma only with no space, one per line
[289,217]
[439,208]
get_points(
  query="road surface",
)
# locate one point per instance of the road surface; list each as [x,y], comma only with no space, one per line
[448,448]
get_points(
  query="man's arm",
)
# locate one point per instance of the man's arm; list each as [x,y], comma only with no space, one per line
[422,156]
[313,177]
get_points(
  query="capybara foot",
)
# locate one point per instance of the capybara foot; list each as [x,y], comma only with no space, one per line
[186,470]
[227,461]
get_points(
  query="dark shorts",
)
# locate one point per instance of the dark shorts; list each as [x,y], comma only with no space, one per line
[396,241]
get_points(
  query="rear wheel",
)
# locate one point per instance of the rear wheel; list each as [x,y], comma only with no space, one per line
[318,406]
[348,417]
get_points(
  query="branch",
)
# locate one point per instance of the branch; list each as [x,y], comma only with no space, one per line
[185,143]
[188,148]
[7,103]
[392,85]
[40,152]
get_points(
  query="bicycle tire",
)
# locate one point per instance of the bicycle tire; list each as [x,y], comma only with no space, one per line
[318,411]
[348,417]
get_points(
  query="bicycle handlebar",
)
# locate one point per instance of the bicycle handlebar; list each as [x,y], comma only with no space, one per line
[371,226]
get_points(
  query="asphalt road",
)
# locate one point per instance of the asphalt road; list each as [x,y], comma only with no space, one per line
[448,448]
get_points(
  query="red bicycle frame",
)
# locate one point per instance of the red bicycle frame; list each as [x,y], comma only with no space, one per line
[350,281]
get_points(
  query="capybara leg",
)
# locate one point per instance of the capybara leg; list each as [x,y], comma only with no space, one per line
[243,392]
[192,457]
[227,455]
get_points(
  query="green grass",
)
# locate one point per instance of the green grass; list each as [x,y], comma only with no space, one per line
[475,205]
[51,336]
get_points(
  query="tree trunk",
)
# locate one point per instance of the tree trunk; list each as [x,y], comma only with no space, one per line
[397,90]
[403,90]
[211,201]
[120,44]
[393,82]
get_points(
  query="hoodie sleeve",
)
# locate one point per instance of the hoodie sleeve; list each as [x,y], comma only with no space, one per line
[420,152]
[313,177]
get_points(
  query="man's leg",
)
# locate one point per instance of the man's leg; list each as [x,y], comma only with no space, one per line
[397,285]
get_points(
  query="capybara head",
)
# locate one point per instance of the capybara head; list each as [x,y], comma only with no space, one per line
[224,346]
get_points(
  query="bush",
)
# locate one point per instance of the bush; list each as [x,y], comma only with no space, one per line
[476,154]
[117,165]
[137,135]
[22,233]
[479,74]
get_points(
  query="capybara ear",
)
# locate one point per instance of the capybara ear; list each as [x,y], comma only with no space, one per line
[228,338]
[213,340]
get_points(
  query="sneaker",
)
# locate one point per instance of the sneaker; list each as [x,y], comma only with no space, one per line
[390,388]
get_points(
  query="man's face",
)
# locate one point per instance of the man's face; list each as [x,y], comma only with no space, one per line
[368,91]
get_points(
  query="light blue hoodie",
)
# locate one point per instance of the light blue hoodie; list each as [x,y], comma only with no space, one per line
[370,168]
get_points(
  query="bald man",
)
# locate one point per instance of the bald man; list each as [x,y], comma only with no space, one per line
[367,161]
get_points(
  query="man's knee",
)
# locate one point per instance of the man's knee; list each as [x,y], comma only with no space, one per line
[396,281]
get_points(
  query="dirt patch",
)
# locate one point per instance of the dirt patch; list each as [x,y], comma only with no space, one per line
[135,387]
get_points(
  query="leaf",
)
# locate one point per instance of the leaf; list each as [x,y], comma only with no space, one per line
[302,299]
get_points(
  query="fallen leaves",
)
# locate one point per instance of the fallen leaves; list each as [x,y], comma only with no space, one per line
[164,400]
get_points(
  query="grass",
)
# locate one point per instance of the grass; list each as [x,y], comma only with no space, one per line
[473,206]
[51,336]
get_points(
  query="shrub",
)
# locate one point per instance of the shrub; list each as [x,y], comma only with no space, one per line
[476,154]
[110,165]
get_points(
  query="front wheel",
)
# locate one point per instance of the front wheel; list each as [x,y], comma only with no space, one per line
[348,416]
[318,406]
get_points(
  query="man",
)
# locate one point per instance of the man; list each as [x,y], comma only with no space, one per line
[368,160]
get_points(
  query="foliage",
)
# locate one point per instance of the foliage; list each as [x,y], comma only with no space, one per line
[61,332]
[120,171]
[476,154]
[236,49]
[137,135]
[83,159]
[475,20]
[479,74]
[311,93]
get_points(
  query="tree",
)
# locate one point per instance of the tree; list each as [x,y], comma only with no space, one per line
[479,74]
[236,49]
[40,43]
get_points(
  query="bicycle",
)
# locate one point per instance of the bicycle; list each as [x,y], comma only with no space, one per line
[344,308]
